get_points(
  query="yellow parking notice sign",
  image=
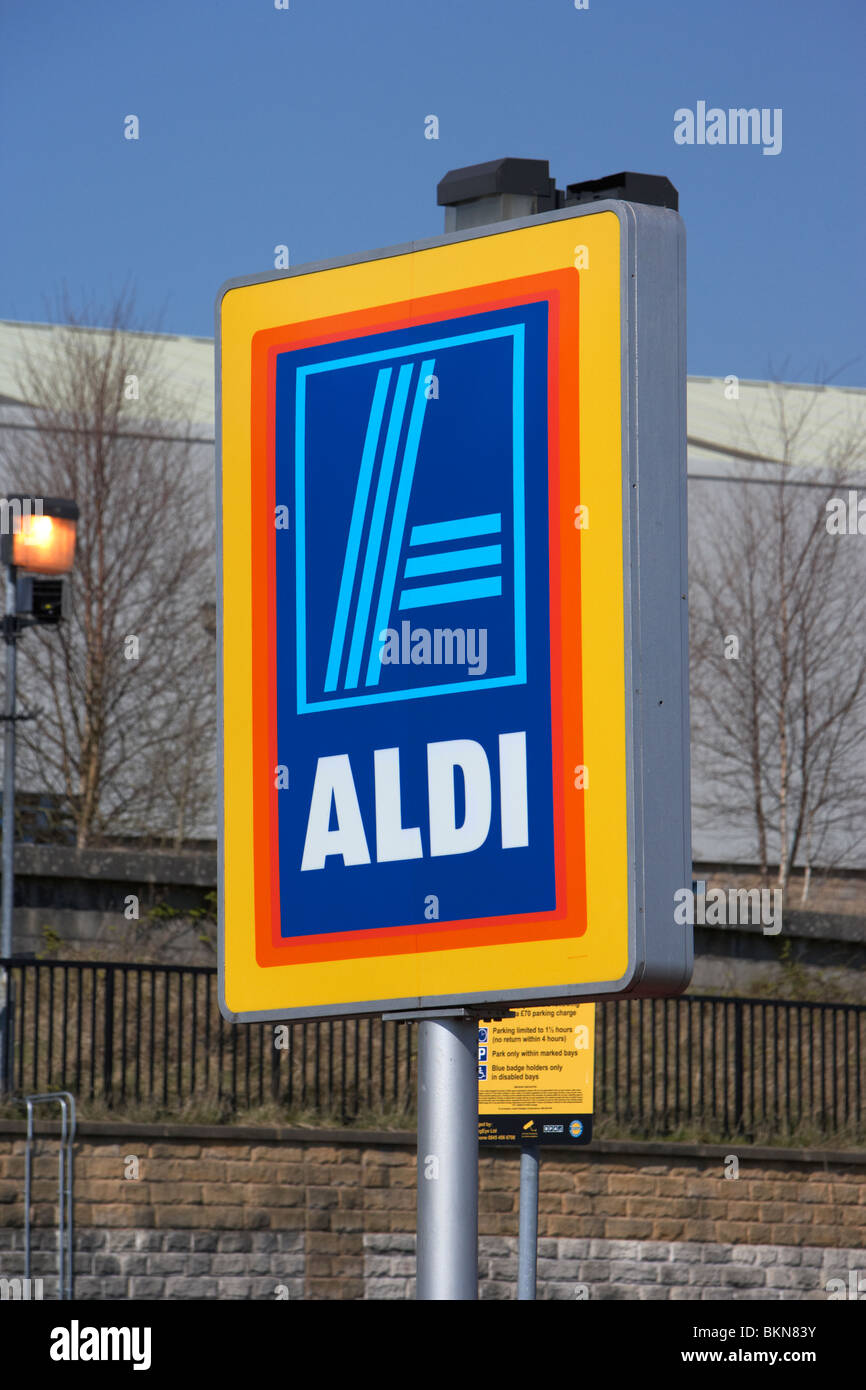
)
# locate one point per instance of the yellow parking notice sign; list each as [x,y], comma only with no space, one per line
[535,1076]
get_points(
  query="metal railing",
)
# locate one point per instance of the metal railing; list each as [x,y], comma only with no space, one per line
[128,1035]
[763,1068]
[122,1036]
[65,1185]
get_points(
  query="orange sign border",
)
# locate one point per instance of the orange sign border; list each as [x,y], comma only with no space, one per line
[560,288]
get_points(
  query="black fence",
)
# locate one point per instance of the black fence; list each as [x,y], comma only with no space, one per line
[123,1036]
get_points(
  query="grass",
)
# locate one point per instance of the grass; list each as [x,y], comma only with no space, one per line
[207,1110]
[210,1111]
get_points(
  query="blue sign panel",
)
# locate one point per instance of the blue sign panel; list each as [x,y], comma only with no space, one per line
[412,621]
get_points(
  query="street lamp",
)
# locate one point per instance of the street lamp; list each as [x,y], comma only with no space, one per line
[37,546]
[45,541]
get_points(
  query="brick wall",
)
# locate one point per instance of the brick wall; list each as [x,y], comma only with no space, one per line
[199,1212]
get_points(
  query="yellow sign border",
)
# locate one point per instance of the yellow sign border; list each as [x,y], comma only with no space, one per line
[592,242]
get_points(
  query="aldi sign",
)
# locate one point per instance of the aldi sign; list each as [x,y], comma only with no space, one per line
[429,529]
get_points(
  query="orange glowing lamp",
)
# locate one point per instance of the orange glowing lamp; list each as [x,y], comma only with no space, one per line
[38,533]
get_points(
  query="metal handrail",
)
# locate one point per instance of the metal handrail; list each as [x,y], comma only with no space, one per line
[66,1273]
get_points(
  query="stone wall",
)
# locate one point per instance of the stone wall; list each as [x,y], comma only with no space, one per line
[71,902]
[571,1269]
[167,1211]
[77,903]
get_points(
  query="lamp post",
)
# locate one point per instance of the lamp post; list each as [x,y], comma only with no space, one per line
[37,547]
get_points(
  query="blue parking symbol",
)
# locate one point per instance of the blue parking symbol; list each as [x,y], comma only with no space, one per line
[482,1054]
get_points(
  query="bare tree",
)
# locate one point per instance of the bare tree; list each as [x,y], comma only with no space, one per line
[126,684]
[778,611]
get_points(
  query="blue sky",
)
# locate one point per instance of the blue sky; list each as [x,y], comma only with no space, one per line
[306,127]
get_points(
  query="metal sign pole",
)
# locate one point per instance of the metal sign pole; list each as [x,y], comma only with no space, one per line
[447,1250]
[8,890]
[527,1240]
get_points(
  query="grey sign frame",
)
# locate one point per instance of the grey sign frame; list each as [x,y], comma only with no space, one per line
[655,608]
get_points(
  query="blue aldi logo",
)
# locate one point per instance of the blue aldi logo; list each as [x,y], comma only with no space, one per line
[411,554]
[413,647]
